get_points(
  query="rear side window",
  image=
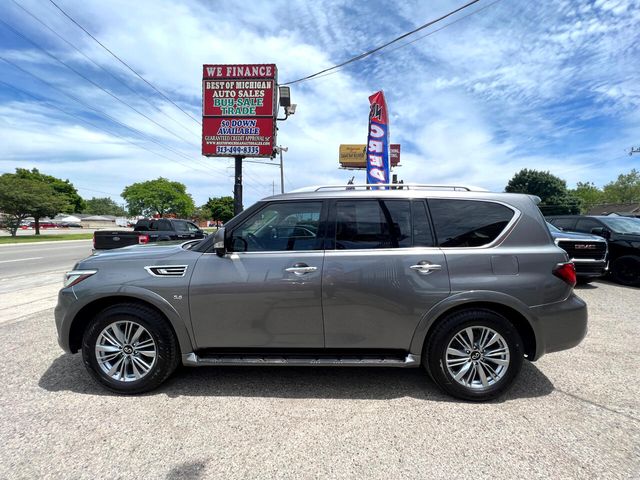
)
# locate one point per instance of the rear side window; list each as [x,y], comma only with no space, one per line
[468,223]
[586,224]
[370,224]
[180,226]
[564,223]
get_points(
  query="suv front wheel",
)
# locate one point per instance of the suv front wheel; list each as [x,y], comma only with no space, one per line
[129,348]
[474,354]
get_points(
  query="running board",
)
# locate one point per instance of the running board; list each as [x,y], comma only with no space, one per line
[193,360]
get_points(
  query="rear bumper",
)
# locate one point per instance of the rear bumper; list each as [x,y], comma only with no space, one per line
[559,326]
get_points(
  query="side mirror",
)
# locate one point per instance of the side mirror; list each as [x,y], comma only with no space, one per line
[219,243]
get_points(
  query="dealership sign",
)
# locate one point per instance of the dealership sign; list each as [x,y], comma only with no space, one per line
[355,157]
[239,110]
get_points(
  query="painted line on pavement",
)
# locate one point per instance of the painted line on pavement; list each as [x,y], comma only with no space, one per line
[21,259]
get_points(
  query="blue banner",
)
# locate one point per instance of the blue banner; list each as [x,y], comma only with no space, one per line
[378,141]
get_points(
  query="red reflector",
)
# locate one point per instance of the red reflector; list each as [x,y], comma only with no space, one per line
[142,239]
[566,272]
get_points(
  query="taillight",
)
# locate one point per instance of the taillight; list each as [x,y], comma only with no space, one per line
[566,272]
[143,239]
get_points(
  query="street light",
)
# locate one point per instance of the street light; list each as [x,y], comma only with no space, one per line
[280,149]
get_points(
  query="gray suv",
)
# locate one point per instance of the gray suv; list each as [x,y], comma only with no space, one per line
[463,283]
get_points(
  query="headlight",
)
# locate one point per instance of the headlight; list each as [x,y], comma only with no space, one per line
[74,277]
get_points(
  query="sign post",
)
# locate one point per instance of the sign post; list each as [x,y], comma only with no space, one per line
[239,108]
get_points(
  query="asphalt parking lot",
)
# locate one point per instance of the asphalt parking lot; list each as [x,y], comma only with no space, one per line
[573,414]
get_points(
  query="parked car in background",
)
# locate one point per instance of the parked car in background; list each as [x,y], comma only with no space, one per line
[623,238]
[43,225]
[464,283]
[587,252]
[147,231]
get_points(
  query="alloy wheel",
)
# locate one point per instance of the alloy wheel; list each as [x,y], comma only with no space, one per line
[125,351]
[477,357]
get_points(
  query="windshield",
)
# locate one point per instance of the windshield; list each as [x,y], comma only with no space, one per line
[622,225]
[553,228]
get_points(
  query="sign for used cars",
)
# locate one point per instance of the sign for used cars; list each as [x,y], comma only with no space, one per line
[239,110]
[353,156]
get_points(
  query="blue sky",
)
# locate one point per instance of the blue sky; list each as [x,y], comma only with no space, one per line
[546,85]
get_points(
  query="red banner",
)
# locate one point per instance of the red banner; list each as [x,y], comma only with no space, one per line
[239,109]
[247,137]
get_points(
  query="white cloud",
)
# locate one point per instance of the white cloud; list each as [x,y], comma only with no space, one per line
[552,86]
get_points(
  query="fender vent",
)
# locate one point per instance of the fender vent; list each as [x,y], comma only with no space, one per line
[167,270]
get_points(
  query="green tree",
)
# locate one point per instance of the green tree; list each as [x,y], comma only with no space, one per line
[626,189]
[552,190]
[24,197]
[589,195]
[221,208]
[103,206]
[75,203]
[159,196]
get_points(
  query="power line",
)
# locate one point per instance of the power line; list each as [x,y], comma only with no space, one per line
[125,63]
[51,105]
[371,52]
[151,104]
[99,112]
[418,38]
[46,52]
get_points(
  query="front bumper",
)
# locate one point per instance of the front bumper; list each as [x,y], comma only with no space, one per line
[66,298]
[590,268]
[559,326]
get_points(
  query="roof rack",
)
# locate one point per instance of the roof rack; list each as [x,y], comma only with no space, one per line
[394,186]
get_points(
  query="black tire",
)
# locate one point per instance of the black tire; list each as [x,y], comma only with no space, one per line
[435,351]
[585,280]
[167,353]
[626,270]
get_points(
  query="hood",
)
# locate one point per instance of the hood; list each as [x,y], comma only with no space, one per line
[576,236]
[152,251]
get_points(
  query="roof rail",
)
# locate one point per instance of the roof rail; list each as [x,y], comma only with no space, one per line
[393,186]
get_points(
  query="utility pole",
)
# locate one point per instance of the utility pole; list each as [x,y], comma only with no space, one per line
[281,149]
[237,187]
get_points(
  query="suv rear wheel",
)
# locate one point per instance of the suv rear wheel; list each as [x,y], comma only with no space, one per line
[474,354]
[129,348]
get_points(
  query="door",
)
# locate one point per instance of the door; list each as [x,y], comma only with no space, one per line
[382,274]
[266,293]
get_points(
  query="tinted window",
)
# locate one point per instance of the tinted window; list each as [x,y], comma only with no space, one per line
[192,228]
[278,227]
[586,224]
[180,226]
[467,223]
[400,216]
[373,224]
[361,224]
[422,234]
[564,223]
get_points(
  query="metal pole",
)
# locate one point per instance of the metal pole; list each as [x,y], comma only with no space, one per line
[281,172]
[237,187]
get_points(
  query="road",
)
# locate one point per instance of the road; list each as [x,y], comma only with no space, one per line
[573,414]
[31,275]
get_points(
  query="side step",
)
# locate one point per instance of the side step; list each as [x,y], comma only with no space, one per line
[193,360]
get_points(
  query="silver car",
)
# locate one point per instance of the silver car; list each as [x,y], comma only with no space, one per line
[461,282]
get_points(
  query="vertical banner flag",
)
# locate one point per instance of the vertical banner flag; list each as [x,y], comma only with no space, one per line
[378,140]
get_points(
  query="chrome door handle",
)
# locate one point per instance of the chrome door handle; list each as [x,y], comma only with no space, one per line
[301,270]
[426,268]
